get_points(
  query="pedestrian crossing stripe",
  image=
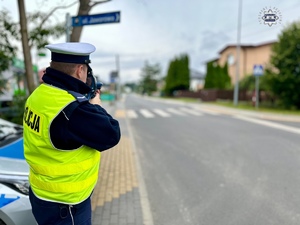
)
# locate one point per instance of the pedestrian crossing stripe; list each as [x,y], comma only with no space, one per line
[175,111]
[161,113]
[146,113]
[190,111]
[132,114]
[208,111]
[165,113]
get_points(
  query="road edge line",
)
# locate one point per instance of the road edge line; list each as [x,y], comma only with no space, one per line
[147,214]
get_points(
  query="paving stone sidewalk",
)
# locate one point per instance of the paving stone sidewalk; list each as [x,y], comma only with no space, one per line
[116,198]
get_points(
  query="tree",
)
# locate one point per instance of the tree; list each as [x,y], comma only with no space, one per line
[248,83]
[149,77]
[26,48]
[170,81]
[85,7]
[178,75]
[226,79]
[8,48]
[283,74]
[132,86]
[183,71]
[210,78]
[217,76]
[37,36]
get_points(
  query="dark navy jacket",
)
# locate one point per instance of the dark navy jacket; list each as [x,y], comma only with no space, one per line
[88,124]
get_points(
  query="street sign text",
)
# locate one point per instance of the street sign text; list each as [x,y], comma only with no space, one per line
[112,17]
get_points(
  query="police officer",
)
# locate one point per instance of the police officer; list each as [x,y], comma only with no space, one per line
[65,129]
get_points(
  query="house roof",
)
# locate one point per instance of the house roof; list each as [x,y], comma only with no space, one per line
[246,46]
[194,74]
[212,60]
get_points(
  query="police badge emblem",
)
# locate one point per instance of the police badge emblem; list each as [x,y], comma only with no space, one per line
[270,16]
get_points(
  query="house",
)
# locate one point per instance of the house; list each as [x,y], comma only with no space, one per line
[16,81]
[250,55]
[197,80]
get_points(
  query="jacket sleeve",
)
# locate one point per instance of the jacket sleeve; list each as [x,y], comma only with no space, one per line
[92,126]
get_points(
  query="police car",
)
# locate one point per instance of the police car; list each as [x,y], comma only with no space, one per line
[15,208]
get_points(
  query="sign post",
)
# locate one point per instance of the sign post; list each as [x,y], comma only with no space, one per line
[68,27]
[258,71]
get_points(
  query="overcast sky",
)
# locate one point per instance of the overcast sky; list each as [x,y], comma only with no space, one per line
[159,30]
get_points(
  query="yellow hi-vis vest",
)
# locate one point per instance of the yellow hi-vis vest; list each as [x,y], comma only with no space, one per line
[65,176]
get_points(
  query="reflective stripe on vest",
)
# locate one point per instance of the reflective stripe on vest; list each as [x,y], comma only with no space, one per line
[62,170]
[70,187]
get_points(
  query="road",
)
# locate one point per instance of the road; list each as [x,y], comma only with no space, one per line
[211,167]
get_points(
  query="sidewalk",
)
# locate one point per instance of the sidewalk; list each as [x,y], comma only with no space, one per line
[233,111]
[256,114]
[118,198]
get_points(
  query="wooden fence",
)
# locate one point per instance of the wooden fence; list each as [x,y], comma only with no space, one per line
[213,95]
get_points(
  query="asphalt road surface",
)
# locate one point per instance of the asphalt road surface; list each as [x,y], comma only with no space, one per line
[213,167]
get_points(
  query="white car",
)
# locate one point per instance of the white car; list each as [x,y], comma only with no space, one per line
[15,208]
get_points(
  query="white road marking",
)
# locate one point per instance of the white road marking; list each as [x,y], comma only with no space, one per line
[190,111]
[161,113]
[131,114]
[208,111]
[146,113]
[270,124]
[176,111]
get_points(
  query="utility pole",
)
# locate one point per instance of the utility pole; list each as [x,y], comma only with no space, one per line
[238,49]
[26,48]
[68,27]
[118,78]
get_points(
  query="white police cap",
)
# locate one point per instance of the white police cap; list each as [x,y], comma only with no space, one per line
[71,52]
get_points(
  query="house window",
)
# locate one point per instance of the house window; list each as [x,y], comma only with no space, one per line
[230,59]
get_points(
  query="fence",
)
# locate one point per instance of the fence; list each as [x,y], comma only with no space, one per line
[213,95]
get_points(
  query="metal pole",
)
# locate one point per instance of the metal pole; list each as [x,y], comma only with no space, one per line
[256,92]
[238,49]
[118,79]
[68,27]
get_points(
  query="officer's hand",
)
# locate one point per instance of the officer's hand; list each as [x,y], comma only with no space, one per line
[96,100]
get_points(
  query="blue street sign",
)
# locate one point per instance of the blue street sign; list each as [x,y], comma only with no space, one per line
[112,17]
[258,70]
[113,77]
